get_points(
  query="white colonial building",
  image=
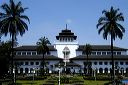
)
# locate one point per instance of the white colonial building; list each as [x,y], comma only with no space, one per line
[67,52]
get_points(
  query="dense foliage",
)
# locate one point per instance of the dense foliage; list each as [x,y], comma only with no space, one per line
[5,51]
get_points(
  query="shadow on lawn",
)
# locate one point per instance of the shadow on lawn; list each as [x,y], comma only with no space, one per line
[29,83]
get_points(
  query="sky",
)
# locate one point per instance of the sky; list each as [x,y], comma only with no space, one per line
[49,17]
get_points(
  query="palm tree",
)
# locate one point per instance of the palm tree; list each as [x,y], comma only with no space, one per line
[109,24]
[87,51]
[12,22]
[43,48]
[0,37]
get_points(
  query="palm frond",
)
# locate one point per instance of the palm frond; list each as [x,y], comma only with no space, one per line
[120,27]
[109,23]
[25,17]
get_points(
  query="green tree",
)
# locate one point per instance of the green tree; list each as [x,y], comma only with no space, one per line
[5,50]
[43,48]
[87,52]
[109,24]
[12,22]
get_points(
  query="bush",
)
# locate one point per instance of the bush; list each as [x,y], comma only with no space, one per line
[31,78]
[97,78]
[64,80]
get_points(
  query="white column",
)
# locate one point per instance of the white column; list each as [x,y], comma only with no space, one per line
[108,70]
[18,70]
[98,70]
[28,70]
[23,70]
[124,70]
[103,70]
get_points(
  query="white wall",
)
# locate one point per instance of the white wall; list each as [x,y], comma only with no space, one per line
[71,45]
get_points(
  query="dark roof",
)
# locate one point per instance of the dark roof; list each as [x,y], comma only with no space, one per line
[66,33]
[102,48]
[51,48]
[67,64]
[32,48]
[101,57]
[36,57]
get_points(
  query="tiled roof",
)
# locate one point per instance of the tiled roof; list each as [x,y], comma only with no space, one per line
[68,64]
[32,48]
[66,33]
[100,57]
[102,48]
[37,57]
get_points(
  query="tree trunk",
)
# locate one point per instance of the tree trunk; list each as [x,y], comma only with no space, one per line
[12,55]
[43,64]
[113,69]
[87,65]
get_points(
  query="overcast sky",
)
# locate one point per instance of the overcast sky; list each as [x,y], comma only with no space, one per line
[49,17]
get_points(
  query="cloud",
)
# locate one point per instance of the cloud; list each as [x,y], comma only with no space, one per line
[68,21]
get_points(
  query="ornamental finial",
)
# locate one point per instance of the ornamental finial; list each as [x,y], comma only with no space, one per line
[66,27]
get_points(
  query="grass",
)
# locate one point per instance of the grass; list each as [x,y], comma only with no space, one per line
[30,82]
[93,82]
[41,82]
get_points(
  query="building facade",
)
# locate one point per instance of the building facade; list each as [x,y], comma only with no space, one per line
[67,52]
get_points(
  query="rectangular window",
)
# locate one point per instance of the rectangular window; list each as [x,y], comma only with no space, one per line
[33,53]
[126,63]
[32,63]
[98,53]
[118,53]
[37,63]
[105,63]
[18,53]
[23,53]
[21,63]
[100,63]
[28,53]
[103,53]
[108,53]
[114,53]
[116,63]
[26,63]
[93,53]
[121,63]
[95,63]
[110,63]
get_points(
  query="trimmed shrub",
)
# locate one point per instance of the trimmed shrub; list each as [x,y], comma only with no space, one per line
[31,78]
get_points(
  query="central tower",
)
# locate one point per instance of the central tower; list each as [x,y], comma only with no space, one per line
[66,44]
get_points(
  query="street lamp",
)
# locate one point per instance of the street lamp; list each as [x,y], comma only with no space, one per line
[122,71]
[14,71]
[59,73]
[95,73]
[33,74]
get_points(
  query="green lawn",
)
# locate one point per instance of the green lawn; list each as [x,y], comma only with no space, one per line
[92,82]
[41,82]
[30,82]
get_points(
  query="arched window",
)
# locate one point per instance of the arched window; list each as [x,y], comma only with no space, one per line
[31,70]
[106,70]
[26,70]
[21,70]
[100,70]
[126,70]
[66,53]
